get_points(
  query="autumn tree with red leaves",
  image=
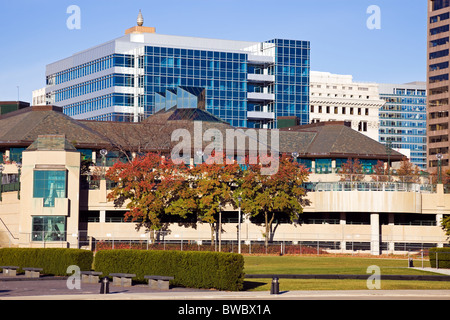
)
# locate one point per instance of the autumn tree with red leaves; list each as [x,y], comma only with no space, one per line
[275,194]
[213,183]
[151,187]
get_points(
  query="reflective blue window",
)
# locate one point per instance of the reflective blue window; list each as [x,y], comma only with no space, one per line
[49,185]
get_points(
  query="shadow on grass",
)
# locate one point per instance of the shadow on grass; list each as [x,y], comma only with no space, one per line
[251,285]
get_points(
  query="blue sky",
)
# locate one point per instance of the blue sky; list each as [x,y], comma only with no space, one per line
[34,33]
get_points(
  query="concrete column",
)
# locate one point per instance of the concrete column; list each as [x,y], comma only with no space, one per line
[343,222]
[343,218]
[102,216]
[439,219]
[391,243]
[375,234]
[103,192]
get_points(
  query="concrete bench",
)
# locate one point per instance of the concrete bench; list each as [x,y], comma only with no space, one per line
[90,276]
[122,279]
[159,282]
[10,271]
[32,272]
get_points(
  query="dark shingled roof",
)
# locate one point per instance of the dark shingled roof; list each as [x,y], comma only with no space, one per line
[24,126]
[336,140]
[154,134]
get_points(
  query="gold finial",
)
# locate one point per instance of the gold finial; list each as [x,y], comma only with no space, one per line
[140,19]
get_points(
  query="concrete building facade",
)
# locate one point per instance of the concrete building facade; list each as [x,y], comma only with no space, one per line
[438,59]
[403,119]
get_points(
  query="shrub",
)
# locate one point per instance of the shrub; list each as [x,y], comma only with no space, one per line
[53,261]
[223,271]
[443,257]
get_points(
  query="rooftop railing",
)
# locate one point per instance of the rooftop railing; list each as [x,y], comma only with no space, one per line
[371,186]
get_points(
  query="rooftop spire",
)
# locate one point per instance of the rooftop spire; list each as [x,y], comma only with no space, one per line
[140,19]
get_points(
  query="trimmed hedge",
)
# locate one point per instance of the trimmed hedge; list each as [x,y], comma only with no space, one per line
[53,261]
[443,257]
[222,271]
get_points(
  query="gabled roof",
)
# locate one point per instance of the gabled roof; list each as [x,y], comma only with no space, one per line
[336,140]
[22,127]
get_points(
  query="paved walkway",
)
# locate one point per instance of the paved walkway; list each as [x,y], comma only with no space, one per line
[52,288]
[441,271]
[253,296]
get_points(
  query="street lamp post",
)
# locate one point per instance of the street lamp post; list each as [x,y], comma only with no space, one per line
[239,225]
[439,157]
[220,227]
[103,153]
[389,152]
[19,171]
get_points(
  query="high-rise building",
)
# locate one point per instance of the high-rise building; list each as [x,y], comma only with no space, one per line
[438,83]
[247,84]
[338,98]
[403,119]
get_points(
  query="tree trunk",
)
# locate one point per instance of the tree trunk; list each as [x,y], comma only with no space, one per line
[211,225]
[266,236]
[268,227]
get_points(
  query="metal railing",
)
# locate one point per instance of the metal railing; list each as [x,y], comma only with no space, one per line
[369,186]
[250,244]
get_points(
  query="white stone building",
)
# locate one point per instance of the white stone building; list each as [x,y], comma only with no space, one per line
[336,97]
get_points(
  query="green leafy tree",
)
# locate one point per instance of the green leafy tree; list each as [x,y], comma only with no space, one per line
[445,224]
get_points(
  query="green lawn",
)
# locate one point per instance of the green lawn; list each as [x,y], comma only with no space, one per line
[333,265]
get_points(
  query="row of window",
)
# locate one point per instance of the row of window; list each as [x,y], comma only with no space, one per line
[418,124]
[440,4]
[112,80]
[155,83]
[439,66]
[114,99]
[184,63]
[439,54]
[441,29]
[408,139]
[403,100]
[399,107]
[439,42]
[411,116]
[440,17]
[439,78]
[195,54]
[327,109]
[115,60]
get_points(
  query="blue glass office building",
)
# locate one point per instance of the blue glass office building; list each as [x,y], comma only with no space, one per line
[248,84]
[403,119]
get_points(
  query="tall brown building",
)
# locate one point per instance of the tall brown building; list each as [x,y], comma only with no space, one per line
[438,83]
